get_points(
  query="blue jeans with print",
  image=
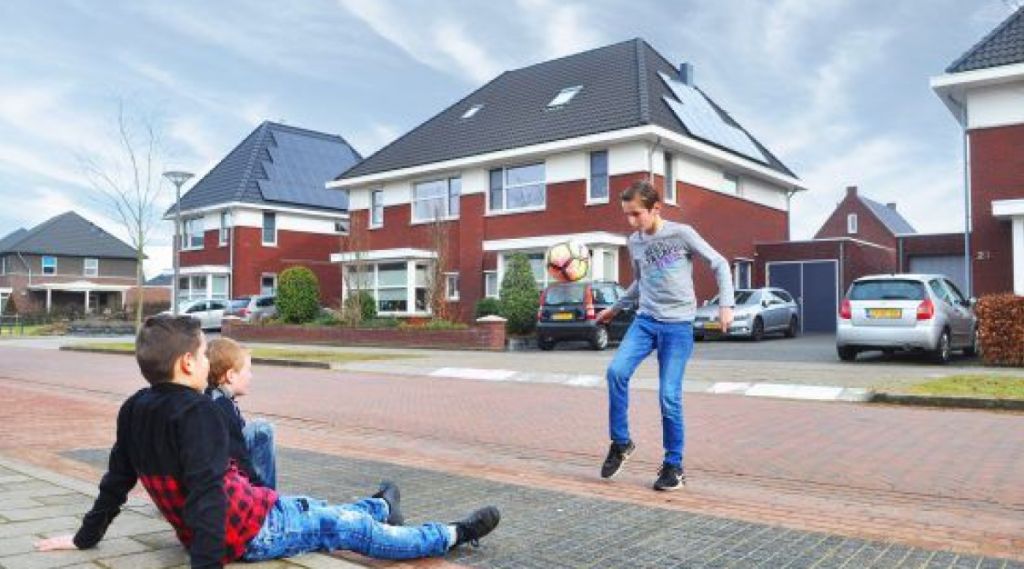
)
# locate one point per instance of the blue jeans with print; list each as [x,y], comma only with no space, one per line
[673,342]
[297,525]
[259,440]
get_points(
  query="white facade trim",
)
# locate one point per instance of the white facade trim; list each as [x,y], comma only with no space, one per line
[80,286]
[1007,209]
[383,255]
[545,241]
[1018,255]
[342,215]
[525,153]
[205,270]
[953,88]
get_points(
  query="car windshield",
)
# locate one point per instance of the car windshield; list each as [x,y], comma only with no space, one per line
[239,303]
[889,289]
[742,297]
[564,294]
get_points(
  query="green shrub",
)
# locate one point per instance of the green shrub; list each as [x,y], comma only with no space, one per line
[298,295]
[487,307]
[519,296]
[434,324]
[360,303]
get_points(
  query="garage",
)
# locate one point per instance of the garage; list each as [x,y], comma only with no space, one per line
[952,266]
[814,285]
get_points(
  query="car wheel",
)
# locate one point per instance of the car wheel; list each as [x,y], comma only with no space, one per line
[599,340]
[972,349]
[943,352]
[794,328]
[757,330]
[546,344]
[846,353]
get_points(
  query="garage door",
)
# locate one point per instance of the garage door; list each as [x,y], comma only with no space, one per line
[813,285]
[950,265]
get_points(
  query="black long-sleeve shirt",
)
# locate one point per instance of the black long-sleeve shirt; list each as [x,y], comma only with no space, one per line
[174,440]
[235,422]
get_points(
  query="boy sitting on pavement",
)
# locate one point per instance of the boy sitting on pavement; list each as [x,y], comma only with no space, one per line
[251,442]
[172,438]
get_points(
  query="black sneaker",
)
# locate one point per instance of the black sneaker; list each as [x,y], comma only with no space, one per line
[389,492]
[477,525]
[670,477]
[617,455]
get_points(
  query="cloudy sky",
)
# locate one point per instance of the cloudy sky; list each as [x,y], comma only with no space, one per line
[837,88]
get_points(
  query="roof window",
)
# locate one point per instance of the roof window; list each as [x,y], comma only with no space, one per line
[472,111]
[564,96]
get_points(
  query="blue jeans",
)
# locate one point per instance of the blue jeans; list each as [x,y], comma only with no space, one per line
[674,344]
[297,525]
[259,440]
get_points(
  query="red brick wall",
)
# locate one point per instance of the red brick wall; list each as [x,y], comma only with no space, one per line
[729,224]
[294,248]
[997,173]
[930,244]
[713,215]
[210,254]
[862,260]
[484,336]
[869,228]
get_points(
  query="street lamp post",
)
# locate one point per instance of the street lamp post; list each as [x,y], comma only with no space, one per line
[178,178]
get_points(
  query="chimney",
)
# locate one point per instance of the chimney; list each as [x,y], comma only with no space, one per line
[686,73]
[891,205]
[851,191]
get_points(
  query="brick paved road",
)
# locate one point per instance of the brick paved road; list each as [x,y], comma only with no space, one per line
[933,479]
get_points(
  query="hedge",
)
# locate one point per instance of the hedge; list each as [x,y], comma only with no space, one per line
[1001,329]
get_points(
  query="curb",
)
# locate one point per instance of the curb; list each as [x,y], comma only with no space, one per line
[263,361]
[947,402]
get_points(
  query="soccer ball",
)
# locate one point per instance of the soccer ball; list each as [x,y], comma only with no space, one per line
[568,261]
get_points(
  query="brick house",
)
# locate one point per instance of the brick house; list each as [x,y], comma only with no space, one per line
[541,154]
[66,264]
[984,90]
[261,209]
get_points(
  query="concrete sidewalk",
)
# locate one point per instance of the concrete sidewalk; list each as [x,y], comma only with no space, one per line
[36,503]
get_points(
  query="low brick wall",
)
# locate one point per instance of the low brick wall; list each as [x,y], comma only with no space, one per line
[485,335]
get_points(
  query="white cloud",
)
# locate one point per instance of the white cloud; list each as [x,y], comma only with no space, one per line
[431,36]
[562,27]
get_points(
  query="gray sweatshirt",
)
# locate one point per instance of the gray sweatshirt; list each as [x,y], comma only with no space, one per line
[663,272]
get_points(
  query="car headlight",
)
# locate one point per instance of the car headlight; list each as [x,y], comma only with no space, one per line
[741,317]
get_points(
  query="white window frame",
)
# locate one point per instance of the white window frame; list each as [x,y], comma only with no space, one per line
[565,96]
[4,296]
[669,175]
[451,287]
[42,263]
[504,210]
[376,221]
[274,287]
[496,289]
[590,178]
[192,231]
[446,213]
[95,272]
[263,228]
[225,224]
[851,223]
[736,273]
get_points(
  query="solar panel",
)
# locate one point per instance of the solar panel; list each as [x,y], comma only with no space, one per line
[704,121]
[299,166]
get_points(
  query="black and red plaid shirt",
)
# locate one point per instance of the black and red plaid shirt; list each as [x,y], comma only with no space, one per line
[174,440]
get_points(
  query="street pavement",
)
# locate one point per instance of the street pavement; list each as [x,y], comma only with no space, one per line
[771,482]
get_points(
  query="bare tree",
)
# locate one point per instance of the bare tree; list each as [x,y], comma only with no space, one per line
[353,242]
[437,298]
[127,185]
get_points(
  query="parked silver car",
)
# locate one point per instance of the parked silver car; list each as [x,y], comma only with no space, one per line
[758,312]
[208,312]
[252,308]
[906,312]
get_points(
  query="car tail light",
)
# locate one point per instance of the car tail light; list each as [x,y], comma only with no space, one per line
[926,310]
[588,304]
[243,312]
[540,307]
[845,310]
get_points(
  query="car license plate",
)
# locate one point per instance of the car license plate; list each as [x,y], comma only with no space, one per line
[712,326]
[563,316]
[885,313]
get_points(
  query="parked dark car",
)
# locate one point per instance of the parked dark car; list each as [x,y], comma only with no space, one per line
[568,311]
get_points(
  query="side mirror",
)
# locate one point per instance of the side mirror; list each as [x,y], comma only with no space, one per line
[764,304]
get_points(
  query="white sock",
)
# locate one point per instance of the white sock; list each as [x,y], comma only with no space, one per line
[453,535]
